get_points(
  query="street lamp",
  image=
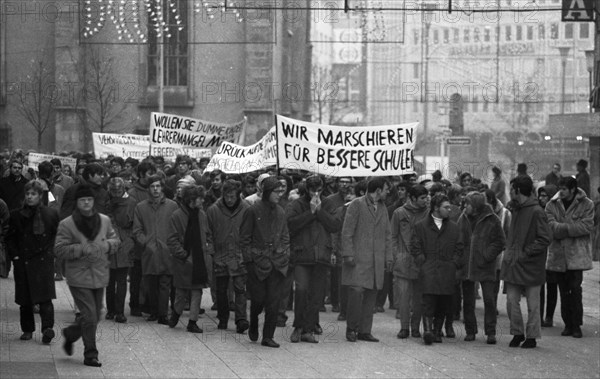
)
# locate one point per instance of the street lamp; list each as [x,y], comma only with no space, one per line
[564,52]
[589,62]
[428,12]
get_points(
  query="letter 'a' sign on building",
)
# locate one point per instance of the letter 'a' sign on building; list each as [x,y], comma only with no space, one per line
[578,10]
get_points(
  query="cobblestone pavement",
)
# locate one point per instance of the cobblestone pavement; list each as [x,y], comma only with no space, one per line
[143,349]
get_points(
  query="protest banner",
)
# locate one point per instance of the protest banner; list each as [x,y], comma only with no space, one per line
[170,133]
[121,145]
[346,150]
[34,159]
[235,159]
[138,147]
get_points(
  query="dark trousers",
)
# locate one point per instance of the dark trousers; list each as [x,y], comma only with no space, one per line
[343,299]
[89,302]
[287,294]
[135,281]
[359,312]
[265,294]
[387,290]
[310,289]
[489,305]
[436,307]
[116,290]
[571,304]
[239,288]
[552,288]
[158,289]
[46,314]
[457,298]
[335,285]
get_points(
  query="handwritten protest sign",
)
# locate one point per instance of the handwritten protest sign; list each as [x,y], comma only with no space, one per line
[121,145]
[235,159]
[34,159]
[169,132]
[346,150]
[138,147]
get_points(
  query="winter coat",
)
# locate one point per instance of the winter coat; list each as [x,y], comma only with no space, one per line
[484,240]
[438,253]
[151,230]
[121,213]
[182,260]
[264,239]
[224,227]
[499,188]
[310,233]
[524,261]
[64,181]
[138,192]
[505,217]
[12,191]
[571,247]
[403,227]
[336,206]
[69,201]
[81,270]
[583,181]
[32,256]
[4,258]
[367,237]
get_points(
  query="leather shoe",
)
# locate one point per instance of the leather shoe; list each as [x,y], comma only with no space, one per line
[253,333]
[547,323]
[296,334]
[341,317]
[26,336]
[222,325]
[491,340]
[318,330]
[93,362]
[241,326]
[450,332]
[193,328]
[379,309]
[351,335]
[566,331]
[415,333]
[308,337]
[529,343]
[366,337]
[516,341]
[47,335]
[470,337]
[577,332]
[268,342]
[67,345]
[173,320]
[403,333]
[109,316]
[121,319]
[163,321]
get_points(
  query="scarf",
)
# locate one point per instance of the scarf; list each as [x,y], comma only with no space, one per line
[193,245]
[89,226]
[38,224]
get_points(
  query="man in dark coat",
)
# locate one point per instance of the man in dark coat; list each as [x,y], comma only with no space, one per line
[524,262]
[12,186]
[437,248]
[484,241]
[264,240]
[92,177]
[367,254]
[554,176]
[224,220]
[583,177]
[310,227]
[30,242]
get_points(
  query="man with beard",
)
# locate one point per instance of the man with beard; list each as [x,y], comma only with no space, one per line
[30,241]
[92,177]
[84,241]
[310,227]
[224,220]
[264,241]
[12,187]
[367,253]
[150,231]
[407,285]
[571,216]
[484,240]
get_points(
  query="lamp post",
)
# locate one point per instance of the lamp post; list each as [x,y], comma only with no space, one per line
[589,61]
[425,59]
[564,52]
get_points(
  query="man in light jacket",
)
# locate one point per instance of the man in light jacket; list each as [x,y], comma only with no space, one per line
[367,253]
[571,217]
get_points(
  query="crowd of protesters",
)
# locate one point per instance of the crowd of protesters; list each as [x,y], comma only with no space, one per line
[293,241]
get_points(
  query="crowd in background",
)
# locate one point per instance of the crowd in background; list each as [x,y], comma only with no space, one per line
[293,241]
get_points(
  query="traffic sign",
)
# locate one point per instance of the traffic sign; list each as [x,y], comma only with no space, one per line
[458,141]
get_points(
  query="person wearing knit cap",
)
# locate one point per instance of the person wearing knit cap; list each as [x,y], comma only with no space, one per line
[182,183]
[30,244]
[264,241]
[85,240]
